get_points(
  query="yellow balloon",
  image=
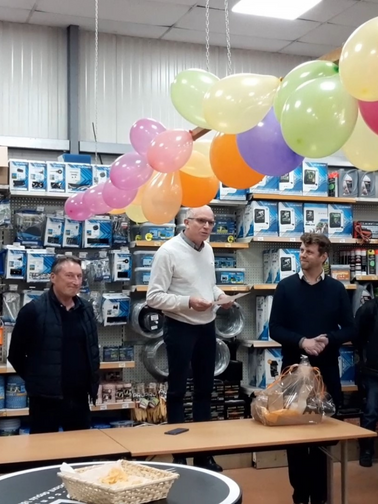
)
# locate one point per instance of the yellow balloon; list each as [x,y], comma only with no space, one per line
[198,166]
[135,213]
[362,147]
[239,102]
[202,146]
[162,197]
[358,64]
[117,211]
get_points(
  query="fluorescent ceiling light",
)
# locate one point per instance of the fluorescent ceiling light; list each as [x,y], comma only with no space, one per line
[283,9]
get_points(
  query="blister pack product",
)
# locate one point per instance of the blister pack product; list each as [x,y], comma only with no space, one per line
[54,231]
[101,173]
[72,236]
[29,226]
[30,295]
[115,308]
[37,176]
[5,213]
[15,262]
[38,264]
[120,225]
[98,268]
[79,177]
[56,177]
[121,265]
[18,175]
[11,307]
[97,232]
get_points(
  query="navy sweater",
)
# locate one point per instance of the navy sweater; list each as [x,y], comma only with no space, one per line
[301,310]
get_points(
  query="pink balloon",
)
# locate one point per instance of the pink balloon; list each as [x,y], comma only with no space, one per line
[170,150]
[130,171]
[93,199]
[143,132]
[369,112]
[76,209]
[116,198]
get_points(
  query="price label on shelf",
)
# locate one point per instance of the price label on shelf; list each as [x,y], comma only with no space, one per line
[293,239]
[260,238]
[122,364]
[126,405]
[103,407]
[342,240]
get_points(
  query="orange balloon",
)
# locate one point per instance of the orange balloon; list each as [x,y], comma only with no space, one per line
[229,166]
[161,199]
[198,191]
[117,211]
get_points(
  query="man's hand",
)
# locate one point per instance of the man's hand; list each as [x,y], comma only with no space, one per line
[313,346]
[226,306]
[199,304]
[322,338]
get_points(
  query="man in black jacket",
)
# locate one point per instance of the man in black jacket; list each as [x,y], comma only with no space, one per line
[367,345]
[312,315]
[54,348]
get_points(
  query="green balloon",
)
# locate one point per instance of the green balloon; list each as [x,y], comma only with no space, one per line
[299,75]
[187,93]
[319,117]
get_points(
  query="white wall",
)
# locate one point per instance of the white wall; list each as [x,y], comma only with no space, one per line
[33,81]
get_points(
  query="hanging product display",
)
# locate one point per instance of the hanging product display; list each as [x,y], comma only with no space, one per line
[222,357]
[147,321]
[229,323]
[155,359]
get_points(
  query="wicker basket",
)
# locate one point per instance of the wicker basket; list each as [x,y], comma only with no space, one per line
[98,493]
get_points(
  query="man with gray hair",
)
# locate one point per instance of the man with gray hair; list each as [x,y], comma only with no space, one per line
[54,348]
[182,285]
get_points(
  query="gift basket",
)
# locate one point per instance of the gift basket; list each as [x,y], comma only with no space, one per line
[297,397]
[118,482]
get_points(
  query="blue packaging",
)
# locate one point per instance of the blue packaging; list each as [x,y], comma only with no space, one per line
[268,184]
[115,308]
[143,258]
[120,266]
[15,393]
[142,276]
[2,392]
[18,175]
[261,218]
[347,367]
[97,232]
[284,263]
[290,219]
[315,178]
[126,353]
[232,276]
[230,193]
[15,263]
[79,177]
[264,366]
[75,158]
[101,173]
[225,261]
[37,176]
[72,236]
[38,265]
[155,232]
[291,183]
[340,220]
[56,177]
[54,231]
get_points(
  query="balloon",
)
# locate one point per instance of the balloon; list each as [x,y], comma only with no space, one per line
[130,171]
[319,117]
[362,147]
[358,63]
[161,200]
[170,150]
[369,112]
[116,198]
[142,132]
[187,93]
[238,102]
[76,209]
[228,165]
[117,211]
[198,191]
[202,146]
[93,200]
[300,74]
[134,211]
[264,149]
[198,165]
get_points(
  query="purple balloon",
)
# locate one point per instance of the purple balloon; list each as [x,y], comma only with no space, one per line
[264,149]
[94,201]
[116,198]
[76,209]
[130,171]
[143,132]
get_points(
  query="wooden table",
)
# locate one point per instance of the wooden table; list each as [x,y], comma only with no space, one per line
[59,446]
[233,435]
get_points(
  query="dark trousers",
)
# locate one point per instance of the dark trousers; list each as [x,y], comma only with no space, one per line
[187,345]
[48,415]
[307,464]
[370,415]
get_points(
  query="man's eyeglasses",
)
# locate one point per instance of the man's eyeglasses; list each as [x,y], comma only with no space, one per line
[202,222]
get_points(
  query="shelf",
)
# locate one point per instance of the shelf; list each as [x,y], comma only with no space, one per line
[113,406]
[14,412]
[260,344]
[217,202]
[349,388]
[274,286]
[118,365]
[6,370]
[366,278]
[225,288]
[4,187]
[234,245]
[301,197]
[249,390]
[288,239]
[41,194]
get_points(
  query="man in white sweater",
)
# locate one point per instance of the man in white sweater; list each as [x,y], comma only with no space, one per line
[182,285]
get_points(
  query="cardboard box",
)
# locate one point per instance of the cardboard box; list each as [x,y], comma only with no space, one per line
[290,219]
[285,262]
[264,366]
[268,185]
[340,220]
[18,174]
[261,218]
[315,218]
[348,182]
[315,179]
[367,184]
[347,367]
[291,183]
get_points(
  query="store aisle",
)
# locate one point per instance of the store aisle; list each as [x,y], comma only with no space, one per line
[264,486]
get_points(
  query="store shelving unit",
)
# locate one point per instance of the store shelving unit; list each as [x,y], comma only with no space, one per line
[100,407]
[216,245]
[103,365]
[274,286]
[225,288]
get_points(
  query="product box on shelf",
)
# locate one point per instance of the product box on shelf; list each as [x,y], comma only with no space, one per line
[38,264]
[4,170]
[72,236]
[240,224]
[225,260]
[54,231]
[292,182]
[348,182]
[264,366]
[97,232]
[115,308]
[267,267]
[18,175]
[79,177]
[229,193]
[224,228]
[15,262]
[367,184]
[315,179]
[261,218]
[30,295]
[230,276]
[268,185]
[263,309]
[285,262]
[56,177]
[347,366]
[290,219]
[37,176]
[101,173]
[234,409]
[120,265]
[315,217]
[340,220]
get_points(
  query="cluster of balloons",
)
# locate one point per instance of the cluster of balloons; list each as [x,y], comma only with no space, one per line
[264,126]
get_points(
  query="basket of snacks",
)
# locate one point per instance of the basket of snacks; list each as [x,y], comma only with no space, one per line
[118,482]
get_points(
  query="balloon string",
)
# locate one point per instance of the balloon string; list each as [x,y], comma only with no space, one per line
[228,38]
[96,80]
[207,20]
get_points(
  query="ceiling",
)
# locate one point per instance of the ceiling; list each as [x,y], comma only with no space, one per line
[320,30]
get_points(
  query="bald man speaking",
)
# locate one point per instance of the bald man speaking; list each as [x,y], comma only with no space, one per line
[182,285]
